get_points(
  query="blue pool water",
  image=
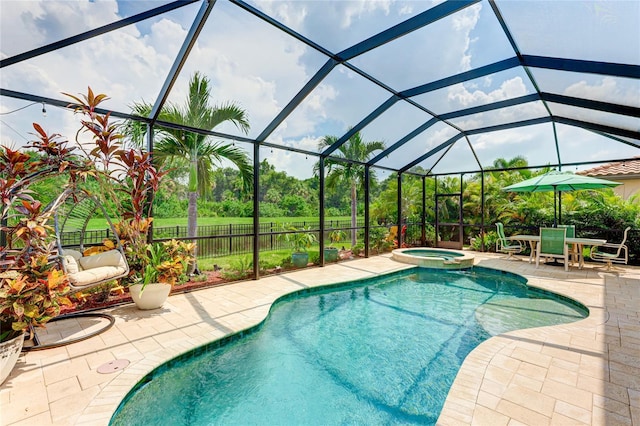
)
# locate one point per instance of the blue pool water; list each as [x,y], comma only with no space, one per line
[432,253]
[380,351]
[447,255]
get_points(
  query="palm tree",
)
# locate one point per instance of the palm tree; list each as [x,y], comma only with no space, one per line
[191,152]
[354,149]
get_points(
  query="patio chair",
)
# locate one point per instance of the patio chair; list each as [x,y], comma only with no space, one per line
[86,267]
[507,246]
[571,230]
[553,245]
[614,253]
[574,255]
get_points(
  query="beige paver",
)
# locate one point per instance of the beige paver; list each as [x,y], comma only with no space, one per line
[580,373]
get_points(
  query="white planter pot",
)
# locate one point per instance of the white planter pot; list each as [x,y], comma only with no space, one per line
[9,353]
[152,297]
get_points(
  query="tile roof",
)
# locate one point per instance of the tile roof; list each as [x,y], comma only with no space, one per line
[631,167]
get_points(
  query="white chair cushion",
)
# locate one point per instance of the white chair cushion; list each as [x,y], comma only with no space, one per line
[73,253]
[107,258]
[92,276]
[70,264]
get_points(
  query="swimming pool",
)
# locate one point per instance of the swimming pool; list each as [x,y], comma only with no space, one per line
[381,351]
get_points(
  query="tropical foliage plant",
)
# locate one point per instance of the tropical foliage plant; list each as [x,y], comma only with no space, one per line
[355,148]
[33,286]
[192,152]
[335,236]
[126,176]
[166,262]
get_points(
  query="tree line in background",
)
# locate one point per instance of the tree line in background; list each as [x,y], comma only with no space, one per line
[281,195]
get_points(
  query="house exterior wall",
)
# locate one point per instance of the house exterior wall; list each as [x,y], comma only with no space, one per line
[628,188]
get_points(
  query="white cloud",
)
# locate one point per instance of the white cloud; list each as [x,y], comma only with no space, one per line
[463,23]
[355,9]
[294,164]
[29,24]
[606,88]
[460,97]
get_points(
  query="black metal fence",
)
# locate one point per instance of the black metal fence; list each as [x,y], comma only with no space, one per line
[218,240]
[236,239]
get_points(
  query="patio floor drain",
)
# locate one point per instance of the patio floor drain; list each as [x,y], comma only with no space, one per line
[113,366]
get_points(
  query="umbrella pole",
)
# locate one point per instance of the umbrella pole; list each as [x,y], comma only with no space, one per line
[555,223]
[559,206]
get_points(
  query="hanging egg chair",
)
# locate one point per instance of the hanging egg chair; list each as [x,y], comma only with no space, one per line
[89,256]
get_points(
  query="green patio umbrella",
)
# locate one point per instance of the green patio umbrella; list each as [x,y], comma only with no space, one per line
[559,182]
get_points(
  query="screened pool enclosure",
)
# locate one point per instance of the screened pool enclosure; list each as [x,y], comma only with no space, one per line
[449,88]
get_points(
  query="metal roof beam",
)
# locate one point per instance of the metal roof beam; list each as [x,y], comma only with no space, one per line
[516,49]
[63,104]
[279,25]
[492,106]
[591,104]
[95,32]
[512,125]
[602,128]
[430,153]
[462,77]
[577,65]
[355,129]
[425,18]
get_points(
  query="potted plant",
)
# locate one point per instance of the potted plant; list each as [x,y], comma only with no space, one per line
[331,252]
[300,239]
[164,265]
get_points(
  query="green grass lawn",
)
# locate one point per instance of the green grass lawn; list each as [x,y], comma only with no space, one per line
[207,221]
[268,259]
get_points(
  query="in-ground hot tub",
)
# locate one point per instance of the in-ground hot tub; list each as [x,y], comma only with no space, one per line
[434,258]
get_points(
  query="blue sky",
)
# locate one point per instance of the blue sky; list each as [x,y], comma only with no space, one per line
[261,68]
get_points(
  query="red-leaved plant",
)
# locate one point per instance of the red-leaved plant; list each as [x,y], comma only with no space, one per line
[32,285]
[128,172]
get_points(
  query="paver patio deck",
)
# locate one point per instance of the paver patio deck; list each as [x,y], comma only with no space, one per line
[586,372]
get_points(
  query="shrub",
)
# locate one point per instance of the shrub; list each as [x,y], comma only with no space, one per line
[240,268]
[286,262]
[490,239]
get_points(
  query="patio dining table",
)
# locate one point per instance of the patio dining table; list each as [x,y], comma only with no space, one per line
[577,242]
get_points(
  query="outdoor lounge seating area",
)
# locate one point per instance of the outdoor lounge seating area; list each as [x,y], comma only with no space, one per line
[88,271]
[554,243]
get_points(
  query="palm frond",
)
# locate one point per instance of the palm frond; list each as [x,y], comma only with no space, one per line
[228,112]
